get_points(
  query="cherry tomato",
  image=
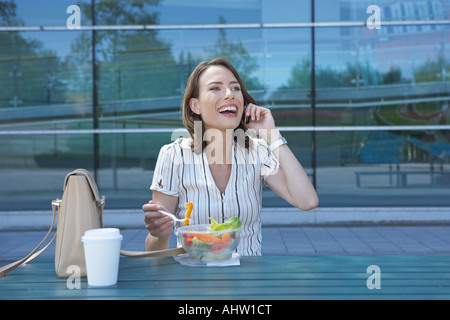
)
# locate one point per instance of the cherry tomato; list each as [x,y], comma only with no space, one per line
[188,239]
[218,248]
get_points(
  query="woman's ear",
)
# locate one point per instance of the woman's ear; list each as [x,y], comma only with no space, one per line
[193,104]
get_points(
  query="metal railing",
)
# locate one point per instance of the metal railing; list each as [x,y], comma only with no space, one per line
[225,26]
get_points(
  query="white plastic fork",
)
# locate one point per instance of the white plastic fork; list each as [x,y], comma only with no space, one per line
[172,216]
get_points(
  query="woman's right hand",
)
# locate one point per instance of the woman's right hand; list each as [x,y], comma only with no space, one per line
[158,224]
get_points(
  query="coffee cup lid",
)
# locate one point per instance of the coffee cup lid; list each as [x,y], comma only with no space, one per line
[102,234]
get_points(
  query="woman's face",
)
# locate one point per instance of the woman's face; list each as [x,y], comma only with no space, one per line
[220,102]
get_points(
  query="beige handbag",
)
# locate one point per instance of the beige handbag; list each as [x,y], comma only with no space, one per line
[80,209]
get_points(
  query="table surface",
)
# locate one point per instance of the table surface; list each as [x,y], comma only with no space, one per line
[257,278]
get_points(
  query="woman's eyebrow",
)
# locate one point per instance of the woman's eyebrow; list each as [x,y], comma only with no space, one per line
[219,82]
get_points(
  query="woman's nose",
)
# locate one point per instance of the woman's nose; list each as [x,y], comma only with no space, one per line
[229,93]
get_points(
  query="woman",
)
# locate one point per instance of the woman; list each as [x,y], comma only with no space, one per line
[221,168]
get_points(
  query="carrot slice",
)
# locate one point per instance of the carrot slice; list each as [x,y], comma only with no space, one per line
[207,238]
[226,239]
[189,207]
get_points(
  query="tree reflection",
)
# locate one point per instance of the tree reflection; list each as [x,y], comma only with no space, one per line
[133,64]
[29,72]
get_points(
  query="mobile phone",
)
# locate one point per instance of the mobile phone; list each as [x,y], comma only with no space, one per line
[246,119]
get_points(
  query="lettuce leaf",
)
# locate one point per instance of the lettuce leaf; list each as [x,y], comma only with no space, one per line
[231,223]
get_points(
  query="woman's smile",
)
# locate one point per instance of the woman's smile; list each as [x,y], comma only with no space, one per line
[229,110]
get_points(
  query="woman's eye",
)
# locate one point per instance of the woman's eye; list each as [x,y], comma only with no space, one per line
[214,88]
[236,88]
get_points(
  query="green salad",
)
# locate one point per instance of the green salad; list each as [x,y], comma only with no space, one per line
[217,243]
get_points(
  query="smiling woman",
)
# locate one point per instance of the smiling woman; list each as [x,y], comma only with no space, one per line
[220,102]
[220,176]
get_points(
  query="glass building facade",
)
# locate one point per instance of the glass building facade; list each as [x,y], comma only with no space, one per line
[364,107]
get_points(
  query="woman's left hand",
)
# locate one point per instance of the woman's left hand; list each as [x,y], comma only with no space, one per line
[261,118]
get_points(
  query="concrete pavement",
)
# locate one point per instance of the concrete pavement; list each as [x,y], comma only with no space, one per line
[299,241]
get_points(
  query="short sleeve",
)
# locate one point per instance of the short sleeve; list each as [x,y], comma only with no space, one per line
[165,175]
[268,161]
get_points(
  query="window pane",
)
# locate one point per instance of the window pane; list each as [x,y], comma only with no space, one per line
[389,77]
[33,168]
[45,76]
[382,168]
[356,10]
[42,12]
[127,162]
[285,11]
[399,79]
[173,12]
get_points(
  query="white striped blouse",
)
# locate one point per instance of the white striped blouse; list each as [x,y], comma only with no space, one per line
[182,173]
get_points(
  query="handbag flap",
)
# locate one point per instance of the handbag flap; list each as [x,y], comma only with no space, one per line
[89,178]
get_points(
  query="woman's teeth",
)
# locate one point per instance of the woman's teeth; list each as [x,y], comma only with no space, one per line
[228,109]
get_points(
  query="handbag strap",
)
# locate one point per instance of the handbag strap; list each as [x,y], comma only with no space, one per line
[34,253]
[148,254]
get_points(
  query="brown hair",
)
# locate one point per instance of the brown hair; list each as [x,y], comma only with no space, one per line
[193,91]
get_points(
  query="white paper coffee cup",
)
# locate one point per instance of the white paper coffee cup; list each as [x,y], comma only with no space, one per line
[102,254]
